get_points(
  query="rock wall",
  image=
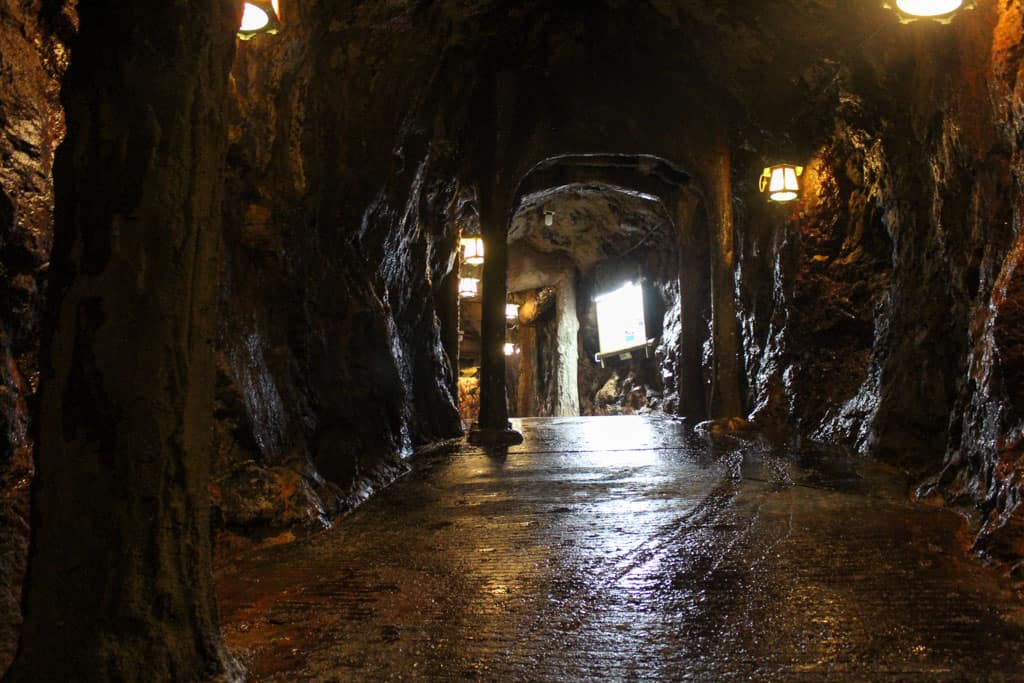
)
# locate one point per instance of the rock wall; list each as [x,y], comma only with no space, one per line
[33,57]
[119,584]
[882,309]
[331,362]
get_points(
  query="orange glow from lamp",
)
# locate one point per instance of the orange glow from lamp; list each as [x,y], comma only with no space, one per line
[468,287]
[936,10]
[782,182]
[472,250]
[260,16]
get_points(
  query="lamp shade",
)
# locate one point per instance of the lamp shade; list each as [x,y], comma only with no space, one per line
[468,287]
[937,10]
[260,16]
[511,311]
[472,250]
[782,182]
[928,8]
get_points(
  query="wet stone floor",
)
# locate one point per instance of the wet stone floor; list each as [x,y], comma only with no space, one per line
[626,548]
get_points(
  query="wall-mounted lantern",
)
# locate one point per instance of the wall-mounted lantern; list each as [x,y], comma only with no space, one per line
[472,250]
[511,349]
[549,218]
[511,311]
[260,16]
[782,182]
[935,10]
[468,287]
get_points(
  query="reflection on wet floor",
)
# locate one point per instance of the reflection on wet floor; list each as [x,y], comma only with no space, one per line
[628,548]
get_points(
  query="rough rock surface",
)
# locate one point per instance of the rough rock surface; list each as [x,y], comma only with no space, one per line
[882,309]
[119,580]
[590,222]
[469,400]
[32,59]
[332,365]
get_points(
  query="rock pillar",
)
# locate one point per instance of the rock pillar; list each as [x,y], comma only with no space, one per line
[694,280]
[120,584]
[567,325]
[494,223]
[725,398]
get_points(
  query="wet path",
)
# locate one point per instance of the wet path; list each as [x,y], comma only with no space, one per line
[622,548]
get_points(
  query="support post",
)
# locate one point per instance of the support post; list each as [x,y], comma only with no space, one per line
[694,293]
[493,426]
[567,324]
[527,379]
[725,401]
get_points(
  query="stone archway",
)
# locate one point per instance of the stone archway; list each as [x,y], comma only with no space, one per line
[660,180]
[564,242]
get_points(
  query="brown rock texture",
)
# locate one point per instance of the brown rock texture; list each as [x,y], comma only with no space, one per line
[332,365]
[469,399]
[119,581]
[289,364]
[33,57]
[881,309]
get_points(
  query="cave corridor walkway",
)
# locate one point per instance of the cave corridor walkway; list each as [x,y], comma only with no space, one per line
[627,548]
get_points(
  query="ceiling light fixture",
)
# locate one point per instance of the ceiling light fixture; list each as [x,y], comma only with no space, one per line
[781,182]
[472,250]
[935,10]
[468,287]
[260,16]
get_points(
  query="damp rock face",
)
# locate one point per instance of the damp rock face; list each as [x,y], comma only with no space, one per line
[121,550]
[881,309]
[331,363]
[34,56]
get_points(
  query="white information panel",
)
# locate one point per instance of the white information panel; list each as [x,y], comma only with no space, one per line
[620,318]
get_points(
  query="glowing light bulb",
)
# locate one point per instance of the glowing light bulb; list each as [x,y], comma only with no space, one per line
[511,311]
[259,17]
[782,182]
[253,18]
[928,8]
[473,250]
[468,287]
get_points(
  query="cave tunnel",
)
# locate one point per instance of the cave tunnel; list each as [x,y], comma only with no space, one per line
[731,392]
[567,245]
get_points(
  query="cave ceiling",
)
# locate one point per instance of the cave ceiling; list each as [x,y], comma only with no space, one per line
[762,61]
[591,222]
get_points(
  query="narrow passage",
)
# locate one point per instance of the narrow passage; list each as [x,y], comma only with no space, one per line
[627,548]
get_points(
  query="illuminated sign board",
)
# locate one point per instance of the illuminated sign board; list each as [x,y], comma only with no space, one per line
[620,319]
